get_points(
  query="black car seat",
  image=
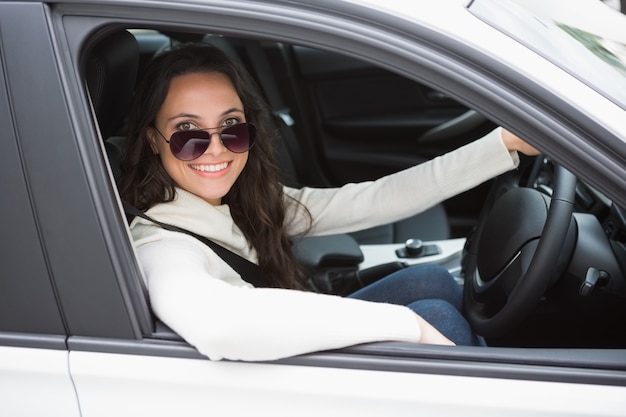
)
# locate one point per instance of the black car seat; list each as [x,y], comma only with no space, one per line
[111,74]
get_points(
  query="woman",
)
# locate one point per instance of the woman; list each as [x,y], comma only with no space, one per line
[225,187]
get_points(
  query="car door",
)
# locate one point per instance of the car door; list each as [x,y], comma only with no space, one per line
[34,360]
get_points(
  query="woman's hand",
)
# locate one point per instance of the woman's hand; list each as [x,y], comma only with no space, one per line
[515,143]
[430,335]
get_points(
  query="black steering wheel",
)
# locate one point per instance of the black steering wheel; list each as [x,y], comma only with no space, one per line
[521,245]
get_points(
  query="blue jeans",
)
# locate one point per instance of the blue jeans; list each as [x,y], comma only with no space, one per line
[431,292]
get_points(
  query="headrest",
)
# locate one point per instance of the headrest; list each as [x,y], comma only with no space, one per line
[111,75]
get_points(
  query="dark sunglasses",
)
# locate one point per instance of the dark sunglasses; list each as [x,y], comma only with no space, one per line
[188,145]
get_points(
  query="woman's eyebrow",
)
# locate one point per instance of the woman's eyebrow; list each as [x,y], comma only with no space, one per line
[195,116]
[233,110]
[184,115]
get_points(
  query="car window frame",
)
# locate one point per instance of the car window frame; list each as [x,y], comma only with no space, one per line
[74,23]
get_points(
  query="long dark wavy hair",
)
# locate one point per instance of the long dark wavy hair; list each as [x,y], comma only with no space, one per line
[256,199]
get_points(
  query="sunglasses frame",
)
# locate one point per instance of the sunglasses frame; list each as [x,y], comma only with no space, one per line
[251,128]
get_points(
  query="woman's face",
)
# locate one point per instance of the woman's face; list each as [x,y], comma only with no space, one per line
[200,101]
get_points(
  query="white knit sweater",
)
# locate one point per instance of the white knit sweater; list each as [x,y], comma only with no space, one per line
[208,304]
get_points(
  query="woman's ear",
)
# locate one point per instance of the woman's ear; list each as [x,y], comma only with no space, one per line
[152,140]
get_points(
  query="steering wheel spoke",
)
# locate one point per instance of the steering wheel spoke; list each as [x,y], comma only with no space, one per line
[512,256]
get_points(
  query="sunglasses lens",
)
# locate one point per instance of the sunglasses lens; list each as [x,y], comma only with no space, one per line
[238,138]
[188,145]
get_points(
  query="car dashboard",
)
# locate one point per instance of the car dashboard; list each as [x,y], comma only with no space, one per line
[585,305]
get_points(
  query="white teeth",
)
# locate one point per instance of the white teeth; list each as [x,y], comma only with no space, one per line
[210,168]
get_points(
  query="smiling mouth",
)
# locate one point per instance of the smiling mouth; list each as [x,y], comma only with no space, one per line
[210,168]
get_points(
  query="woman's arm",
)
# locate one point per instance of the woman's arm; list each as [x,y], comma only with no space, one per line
[403,194]
[235,321]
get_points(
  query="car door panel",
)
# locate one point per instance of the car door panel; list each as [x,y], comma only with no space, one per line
[166,386]
[36,382]
[361,104]
[372,122]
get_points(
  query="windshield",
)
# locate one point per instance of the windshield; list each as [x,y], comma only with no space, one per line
[584,37]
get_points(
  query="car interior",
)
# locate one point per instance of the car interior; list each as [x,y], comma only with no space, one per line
[332,131]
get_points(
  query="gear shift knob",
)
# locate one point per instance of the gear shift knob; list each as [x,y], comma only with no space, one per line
[414,247]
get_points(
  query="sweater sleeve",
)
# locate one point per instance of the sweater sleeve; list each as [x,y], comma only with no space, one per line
[252,324]
[394,197]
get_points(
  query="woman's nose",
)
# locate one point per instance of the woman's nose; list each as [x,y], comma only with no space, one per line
[216,146]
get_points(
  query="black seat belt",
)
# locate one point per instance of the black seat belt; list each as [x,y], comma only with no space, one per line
[249,271]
